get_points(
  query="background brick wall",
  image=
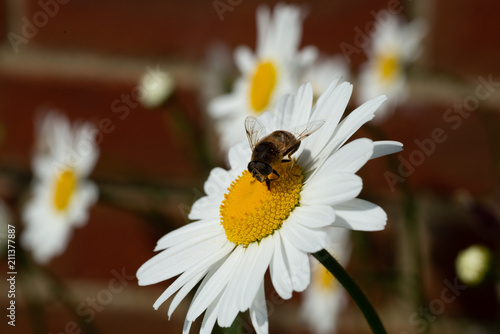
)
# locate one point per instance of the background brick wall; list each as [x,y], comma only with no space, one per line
[89,52]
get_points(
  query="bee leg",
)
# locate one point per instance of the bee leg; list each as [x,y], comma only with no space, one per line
[291,160]
[276,173]
[268,180]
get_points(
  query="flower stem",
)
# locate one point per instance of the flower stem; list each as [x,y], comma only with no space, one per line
[348,283]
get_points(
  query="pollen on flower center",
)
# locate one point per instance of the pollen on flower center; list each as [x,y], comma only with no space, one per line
[388,66]
[250,211]
[262,85]
[64,188]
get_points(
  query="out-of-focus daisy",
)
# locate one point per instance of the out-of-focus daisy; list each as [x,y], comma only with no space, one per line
[155,87]
[61,195]
[394,46]
[325,298]
[324,69]
[241,227]
[472,264]
[273,70]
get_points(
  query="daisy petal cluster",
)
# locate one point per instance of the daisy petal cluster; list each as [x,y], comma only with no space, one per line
[325,298]
[394,46]
[272,70]
[241,228]
[61,195]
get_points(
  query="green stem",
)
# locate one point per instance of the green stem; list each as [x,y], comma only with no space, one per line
[348,283]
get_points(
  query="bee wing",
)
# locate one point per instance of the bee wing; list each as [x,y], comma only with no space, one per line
[255,130]
[305,130]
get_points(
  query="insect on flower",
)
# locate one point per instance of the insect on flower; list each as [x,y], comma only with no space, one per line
[269,151]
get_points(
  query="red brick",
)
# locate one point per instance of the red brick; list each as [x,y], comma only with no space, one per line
[465,37]
[3,20]
[143,145]
[465,160]
[188,28]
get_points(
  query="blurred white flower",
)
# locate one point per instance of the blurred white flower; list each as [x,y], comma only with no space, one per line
[61,194]
[324,70]
[472,264]
[273,70]
[394,46]
[242,227]
[325,298]
[155,88]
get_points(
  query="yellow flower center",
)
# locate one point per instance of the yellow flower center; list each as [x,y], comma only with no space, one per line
[262,86]
[324,279]
[65,187]
[250,211]
[388,66]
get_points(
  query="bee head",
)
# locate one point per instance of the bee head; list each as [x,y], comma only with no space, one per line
[259,170]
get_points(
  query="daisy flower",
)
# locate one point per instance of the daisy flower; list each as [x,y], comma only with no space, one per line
[61,194]
[325,298]
[394,46]
[241,228]
[272,71]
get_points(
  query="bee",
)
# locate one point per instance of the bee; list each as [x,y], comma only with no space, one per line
[269,151]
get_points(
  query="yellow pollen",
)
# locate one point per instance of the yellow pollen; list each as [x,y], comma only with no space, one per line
[64,188]
[388,66]
[324,279]
[262,86]
[250,212]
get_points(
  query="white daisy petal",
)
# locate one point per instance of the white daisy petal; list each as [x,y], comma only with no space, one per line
[210,317]
[305,239]
[337,100]
[331,189]
[298,266]
[185,280]
[349,158]
[183,292]
[238,156]
[185,234]
[258,311]
[353,122]
[223,106]
[215,285]
[230,299]
[279,270]
[244,59]
[385,147]
[217,182]
[263,28]
[175,260]
[187,327]
[250,284]
[304,102]
[361,215]
[188,279]
[307,56]
[314,216]
[204,208]
[229,308]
